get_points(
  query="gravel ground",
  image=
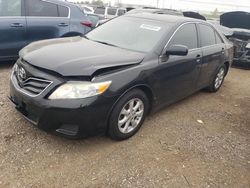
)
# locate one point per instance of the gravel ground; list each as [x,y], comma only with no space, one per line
[172,149]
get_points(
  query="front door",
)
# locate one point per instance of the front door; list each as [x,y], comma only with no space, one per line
[178,74]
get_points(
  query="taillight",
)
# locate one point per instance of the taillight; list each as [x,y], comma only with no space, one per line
[87,23]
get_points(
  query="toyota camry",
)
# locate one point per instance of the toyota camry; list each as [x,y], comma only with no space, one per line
[109,80]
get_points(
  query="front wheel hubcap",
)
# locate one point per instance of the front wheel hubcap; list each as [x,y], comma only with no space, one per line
[219,78]
[131,115]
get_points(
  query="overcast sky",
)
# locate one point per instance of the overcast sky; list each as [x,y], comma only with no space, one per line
[205,5]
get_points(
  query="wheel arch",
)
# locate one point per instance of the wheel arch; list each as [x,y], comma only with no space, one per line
[144,88]
[149,93]
[227,64]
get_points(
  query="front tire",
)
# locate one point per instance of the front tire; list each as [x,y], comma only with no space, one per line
[218,79]
[128,115]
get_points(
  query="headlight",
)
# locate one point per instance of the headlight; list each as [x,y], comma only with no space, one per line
[14,69]
[79,90]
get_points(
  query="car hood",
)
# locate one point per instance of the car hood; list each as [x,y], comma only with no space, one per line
[77,56]
[195,15]
[237,19]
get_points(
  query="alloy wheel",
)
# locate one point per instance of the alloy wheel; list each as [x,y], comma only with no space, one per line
[131,115]
[219,78]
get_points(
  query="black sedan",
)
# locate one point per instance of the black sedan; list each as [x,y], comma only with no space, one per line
[111,79]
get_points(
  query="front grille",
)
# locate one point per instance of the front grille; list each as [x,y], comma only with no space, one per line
[24,80]
[31,86]
[34,86]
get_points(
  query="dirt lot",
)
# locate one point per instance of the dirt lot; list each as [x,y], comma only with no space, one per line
[171,150]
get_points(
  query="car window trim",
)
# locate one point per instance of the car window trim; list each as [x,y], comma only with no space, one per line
[50,17]
[211,45]
[166,46]
[216,33]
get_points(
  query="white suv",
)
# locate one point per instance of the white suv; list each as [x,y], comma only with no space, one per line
[109,12]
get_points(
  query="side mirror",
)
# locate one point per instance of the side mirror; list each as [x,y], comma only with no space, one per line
[179,50]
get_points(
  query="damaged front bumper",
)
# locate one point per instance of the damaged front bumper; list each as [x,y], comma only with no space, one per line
[241,53]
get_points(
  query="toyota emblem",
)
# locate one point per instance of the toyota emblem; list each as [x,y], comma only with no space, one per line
[21,73]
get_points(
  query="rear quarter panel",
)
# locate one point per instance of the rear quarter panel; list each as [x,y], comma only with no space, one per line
[76,17]
[230,52]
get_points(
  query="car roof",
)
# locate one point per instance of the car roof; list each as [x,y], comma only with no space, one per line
[156,10]
[116,8]
[60,2]
[165,18]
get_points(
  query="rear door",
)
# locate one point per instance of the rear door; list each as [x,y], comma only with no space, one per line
[46,20]
[213,50]
[220,42]
[12,28]
[178,74]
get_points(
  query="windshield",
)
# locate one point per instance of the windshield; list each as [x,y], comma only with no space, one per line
[99,11]
[130,33]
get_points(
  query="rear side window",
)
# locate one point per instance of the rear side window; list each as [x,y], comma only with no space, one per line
[207,35]
[10,8]
[63,11]
[38,8]
[186,35]
[218,38]
[112,11]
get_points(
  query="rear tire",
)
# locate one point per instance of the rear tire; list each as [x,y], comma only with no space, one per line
[218,79]
[128,115]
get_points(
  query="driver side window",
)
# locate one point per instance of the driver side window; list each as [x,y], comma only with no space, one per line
[186,35]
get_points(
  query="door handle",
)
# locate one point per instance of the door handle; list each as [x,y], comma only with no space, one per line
[63,24]
[16,25]
[198,58]
[223,50]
